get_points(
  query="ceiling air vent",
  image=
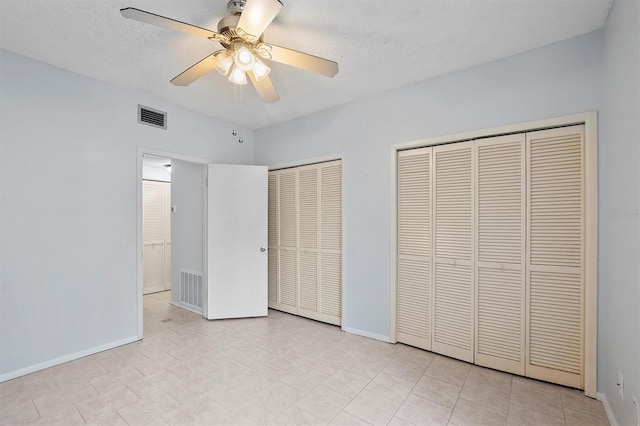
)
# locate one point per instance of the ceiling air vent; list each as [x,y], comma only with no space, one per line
[152,117]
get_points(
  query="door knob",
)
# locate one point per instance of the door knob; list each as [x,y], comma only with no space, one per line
[263,249]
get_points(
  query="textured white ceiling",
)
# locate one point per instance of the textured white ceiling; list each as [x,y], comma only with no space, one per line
[379,45]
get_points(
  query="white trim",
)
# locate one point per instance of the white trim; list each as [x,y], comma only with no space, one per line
[205,244]
[529,126]
[590,121]
[591,254]
[307,162]
[140,152]
[343,251]
[393,247]
[368,334]
[66,358]
[602,397]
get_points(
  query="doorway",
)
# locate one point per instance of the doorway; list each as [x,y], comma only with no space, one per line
[170,240]
[218,242]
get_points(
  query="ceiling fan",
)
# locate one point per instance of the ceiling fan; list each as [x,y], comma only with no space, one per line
[240,34]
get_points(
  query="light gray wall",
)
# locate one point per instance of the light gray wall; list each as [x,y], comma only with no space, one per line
[187,231]
[155,171]
[68,158]
[619,220]
[560,79]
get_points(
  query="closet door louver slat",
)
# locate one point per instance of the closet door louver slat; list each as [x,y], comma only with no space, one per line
[331,207]
[288,275]
[308,281]
[331,287]
[272,260]
[555,256]
[414,248]
[500,283]
[453,285]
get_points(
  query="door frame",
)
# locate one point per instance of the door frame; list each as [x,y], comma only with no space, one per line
[140,153]
[590,121]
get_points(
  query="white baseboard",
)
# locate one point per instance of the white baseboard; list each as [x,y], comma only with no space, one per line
[607,408]
[61,360]
[367,334]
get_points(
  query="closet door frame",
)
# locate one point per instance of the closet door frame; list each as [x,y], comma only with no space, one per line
[590,121]
[310,162]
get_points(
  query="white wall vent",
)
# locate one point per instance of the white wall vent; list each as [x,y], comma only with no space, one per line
[152,117]
[191,289]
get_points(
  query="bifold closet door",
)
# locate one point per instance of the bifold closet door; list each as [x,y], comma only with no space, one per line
[555,265]
[330,239]
[156,235]
[288,241]
[305,241]
[414,248]
[308,191]
[500,253]
[453,287]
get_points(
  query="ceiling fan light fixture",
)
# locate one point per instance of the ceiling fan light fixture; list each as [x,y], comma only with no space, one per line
[224,62]
[244,59]
[237,75]
[260,70]
[240,34]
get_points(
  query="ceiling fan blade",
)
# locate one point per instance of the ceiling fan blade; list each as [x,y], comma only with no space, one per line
[161,21]
[196,71]
[265,88]
[257,15]
[302,60]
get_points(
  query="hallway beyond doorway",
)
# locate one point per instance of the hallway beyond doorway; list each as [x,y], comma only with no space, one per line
[160,314]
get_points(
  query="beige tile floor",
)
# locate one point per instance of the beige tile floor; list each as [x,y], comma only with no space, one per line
[281,369]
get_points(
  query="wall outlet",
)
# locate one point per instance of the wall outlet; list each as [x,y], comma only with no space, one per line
[636,410]
[620,384]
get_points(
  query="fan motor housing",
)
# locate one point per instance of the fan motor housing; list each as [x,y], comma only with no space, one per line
[227,24]
[235,7]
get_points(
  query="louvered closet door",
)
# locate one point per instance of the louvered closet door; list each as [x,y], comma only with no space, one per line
[288,240]
[414,248]
[308,185]
[453,262]
[272,240]
[330,271]
[305,241]
[153,209]
[555,304]
[167,236]
[500,253]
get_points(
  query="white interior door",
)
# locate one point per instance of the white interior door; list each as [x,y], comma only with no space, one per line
[236,241]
